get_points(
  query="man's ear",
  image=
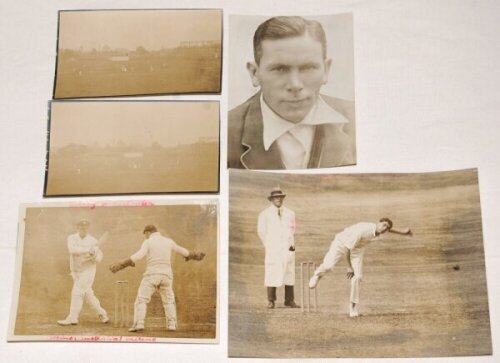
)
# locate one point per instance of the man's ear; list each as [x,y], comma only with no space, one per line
[252,69]
[328,64]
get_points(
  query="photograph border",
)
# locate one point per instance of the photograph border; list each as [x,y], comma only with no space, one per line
[298,185]
[218,92]
[47,154]
[16,287]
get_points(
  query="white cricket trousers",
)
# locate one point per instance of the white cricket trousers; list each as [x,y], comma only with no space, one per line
[148,286]
[335,253]
[82,289]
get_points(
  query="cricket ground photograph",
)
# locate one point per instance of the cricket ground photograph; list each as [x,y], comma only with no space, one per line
[356,265]
[132,147]
[133,271]
[105,53]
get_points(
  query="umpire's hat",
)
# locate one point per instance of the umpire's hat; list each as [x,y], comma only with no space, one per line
[276,192]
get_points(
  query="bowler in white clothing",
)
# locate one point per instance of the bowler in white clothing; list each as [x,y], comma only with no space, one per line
[84,253]
[276,229]
[158,275]
[351,243]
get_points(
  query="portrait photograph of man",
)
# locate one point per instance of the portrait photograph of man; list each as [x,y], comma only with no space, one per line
[291,92]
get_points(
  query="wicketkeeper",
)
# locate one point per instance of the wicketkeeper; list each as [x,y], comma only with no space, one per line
[158,276]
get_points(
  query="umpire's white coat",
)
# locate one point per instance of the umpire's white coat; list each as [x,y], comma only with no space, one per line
[277,235]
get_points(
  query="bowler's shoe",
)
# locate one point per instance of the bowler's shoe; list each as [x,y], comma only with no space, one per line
[270,305]
[291,304]
[172,327]
[353,312]
[314,280]
[103,318]
[67,322]
[136,328]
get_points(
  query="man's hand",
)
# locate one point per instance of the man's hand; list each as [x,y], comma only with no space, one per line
[96,254]
[350,273]
[194,255]
[93,251]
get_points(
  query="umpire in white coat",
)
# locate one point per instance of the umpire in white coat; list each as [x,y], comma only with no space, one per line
[276,229]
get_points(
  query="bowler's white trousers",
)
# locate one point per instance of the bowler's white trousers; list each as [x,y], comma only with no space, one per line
[148,286]
[335,253]
[82,289]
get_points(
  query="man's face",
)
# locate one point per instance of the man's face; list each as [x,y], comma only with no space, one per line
[290,75]
[382,227]
[277,201]
[83,230]
[147,234]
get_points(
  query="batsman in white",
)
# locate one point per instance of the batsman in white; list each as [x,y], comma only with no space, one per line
[158,276]
[84,253]
[351,243]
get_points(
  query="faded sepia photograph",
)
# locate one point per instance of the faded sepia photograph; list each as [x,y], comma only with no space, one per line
[130,271]
[291,92]
[104,53]
[132,147]
[356,265]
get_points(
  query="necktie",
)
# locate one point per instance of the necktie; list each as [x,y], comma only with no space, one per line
[279,212]
[295,146]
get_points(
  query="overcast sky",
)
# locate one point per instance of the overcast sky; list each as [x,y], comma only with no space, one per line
[167,123]
[151,29]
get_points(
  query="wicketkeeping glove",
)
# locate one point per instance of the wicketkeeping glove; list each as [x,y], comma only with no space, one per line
[194,255]
[117,266]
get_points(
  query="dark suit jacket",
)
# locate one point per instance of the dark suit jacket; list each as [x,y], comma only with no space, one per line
[333,145]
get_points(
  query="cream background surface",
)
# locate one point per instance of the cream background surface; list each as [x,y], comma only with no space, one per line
[427,93]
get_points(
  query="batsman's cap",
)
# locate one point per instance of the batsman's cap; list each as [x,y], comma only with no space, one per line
[150,228]
[83,223]
[276,192]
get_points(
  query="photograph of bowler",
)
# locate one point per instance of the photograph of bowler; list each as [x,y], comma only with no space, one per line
[356,265]
[105,53]
[291,92]
[132,147]
[117,270]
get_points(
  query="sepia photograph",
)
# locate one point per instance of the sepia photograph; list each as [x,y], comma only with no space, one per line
[291,92]
[356,265]
[132,147]
[105,53]
[128,271]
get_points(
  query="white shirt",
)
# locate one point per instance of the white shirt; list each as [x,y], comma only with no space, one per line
[79,249]
[158,250]
[358,235]
[295,140]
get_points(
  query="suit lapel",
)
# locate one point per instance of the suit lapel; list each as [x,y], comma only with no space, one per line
[329,146]
[256,157]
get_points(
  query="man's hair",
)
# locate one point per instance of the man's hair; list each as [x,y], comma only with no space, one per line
[389,222]
[281,27]
[150,228]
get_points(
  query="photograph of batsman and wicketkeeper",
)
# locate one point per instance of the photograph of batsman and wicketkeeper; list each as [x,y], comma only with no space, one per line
[117,269]
[366,265]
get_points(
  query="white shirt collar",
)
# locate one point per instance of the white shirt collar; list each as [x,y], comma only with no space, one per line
[275,126]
